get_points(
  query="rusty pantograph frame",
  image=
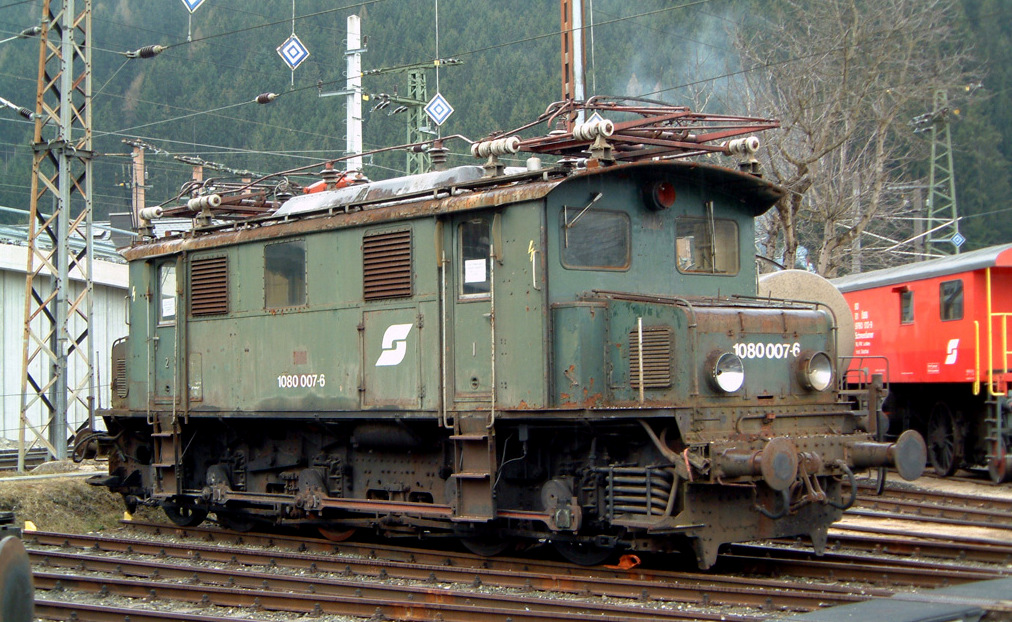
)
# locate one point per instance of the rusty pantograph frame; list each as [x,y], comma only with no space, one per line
[57,377]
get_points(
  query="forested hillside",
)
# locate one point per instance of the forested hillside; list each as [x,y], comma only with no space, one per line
[196,98]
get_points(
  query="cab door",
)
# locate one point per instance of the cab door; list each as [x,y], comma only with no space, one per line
[470,297]
[165,309]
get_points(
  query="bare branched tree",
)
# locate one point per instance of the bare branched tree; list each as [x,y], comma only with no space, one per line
[844,77]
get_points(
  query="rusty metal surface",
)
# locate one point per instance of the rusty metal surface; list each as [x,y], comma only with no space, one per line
[339,218]
[480,194]
[362,599]
[51,609]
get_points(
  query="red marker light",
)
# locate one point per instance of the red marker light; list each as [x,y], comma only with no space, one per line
[664,194]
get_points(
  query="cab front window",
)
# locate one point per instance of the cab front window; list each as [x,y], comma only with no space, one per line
[596,240]
[706,245]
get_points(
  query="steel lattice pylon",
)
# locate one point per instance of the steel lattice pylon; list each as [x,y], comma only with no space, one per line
[943,213]
[57,380]
[418,123]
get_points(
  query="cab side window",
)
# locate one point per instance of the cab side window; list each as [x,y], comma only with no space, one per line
[475,249]
[167,293]
[285,274]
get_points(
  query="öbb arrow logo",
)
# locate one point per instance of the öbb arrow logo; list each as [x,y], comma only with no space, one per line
[951,352]
[395,345]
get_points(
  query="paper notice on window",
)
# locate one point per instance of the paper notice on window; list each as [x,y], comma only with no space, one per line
[169,307]
[474,271]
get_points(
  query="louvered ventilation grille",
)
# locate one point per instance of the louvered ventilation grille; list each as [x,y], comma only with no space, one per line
[386,265]
[120,378]
[119,369]
[656,358]
[209,286]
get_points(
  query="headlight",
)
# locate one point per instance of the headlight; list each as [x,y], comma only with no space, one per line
[728,372]
[816,371]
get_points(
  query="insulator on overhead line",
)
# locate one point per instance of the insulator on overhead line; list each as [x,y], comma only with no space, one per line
[497,147]
[26,113]
[266,98]
[199,203]
[148,51]
[593,129]
[30,32]
[150,213]
[741,146]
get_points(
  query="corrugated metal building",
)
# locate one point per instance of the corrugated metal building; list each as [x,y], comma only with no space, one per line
[109,322]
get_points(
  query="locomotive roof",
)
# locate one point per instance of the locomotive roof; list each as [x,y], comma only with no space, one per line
[444,192]
[990,257]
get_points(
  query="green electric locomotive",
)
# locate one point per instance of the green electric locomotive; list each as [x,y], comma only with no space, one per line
[570,353]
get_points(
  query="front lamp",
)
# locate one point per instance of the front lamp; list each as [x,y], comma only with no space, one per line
[816,371]
[728,372]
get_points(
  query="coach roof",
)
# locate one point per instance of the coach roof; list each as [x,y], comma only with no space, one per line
[990,257]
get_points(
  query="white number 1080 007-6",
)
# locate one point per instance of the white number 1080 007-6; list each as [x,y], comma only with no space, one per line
[753,350]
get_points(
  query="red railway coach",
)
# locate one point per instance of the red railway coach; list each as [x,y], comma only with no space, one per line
[938,331]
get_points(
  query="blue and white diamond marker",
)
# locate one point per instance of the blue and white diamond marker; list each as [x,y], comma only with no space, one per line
[438,109]
[957,240]
[293,52]
[193,5]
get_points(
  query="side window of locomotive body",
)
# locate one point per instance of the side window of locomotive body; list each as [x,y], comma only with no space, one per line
[285,274]
[906,307]
[167,293]
[475,247]
[706,246]
[951,300]
[596,240]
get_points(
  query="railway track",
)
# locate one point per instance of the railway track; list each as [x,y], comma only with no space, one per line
[33,458]
[207,567]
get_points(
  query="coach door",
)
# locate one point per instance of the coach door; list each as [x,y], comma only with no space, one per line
[470,297]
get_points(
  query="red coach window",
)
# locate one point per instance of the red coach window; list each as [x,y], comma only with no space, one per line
[906,307]
[951,300]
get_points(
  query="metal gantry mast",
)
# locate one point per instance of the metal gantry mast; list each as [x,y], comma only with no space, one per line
[57,381]
[943,215]
[418,122]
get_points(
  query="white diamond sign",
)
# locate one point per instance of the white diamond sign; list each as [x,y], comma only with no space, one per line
[193,5]
[293,52]
[438,109]
[957,240]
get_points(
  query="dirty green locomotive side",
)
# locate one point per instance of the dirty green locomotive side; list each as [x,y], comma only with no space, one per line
[576,357]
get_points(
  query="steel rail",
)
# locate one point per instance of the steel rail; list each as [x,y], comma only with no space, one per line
[670,587]
[401,604]
[46,609]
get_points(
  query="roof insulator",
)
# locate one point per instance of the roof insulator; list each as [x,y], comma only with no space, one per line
[266,98]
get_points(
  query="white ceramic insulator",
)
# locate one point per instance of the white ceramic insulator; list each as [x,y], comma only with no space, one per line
[742,146]
[199,203]
[497,147]
[533,163]
[150,213]
[593,129]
